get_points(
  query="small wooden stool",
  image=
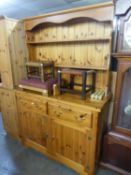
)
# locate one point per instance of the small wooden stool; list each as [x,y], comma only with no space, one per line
[72,73]
[40,69]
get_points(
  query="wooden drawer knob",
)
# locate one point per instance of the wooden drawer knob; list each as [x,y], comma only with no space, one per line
[59,114]
[82,117]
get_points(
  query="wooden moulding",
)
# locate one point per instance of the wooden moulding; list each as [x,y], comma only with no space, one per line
[69,40]
[119,139]
[123,55]
[102,12]
[100,5]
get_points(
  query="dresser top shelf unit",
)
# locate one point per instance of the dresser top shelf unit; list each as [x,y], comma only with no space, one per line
[86,30]
[78,38]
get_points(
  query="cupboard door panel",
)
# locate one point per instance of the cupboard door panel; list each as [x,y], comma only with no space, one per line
[70,143]
[5,62]
[33,126]
[9,112]
[33,119]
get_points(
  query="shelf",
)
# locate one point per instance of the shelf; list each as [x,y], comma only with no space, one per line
[64,41]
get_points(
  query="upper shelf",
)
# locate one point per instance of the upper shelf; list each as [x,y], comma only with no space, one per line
[70,40]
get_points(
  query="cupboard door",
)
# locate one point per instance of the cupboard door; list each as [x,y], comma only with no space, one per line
[33,119]
[33,126]
[9,112]
[5,62]
[70,144]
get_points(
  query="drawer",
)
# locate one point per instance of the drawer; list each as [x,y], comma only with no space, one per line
[71,114]
[33,104]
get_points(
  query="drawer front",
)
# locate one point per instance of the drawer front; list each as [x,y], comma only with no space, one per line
[33,104]
[71,114]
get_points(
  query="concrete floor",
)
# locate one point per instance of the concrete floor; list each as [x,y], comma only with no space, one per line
[18,160]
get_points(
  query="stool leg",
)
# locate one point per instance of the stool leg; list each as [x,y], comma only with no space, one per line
[59,81]
[93,81]
[72,81]
[53,72]
[27,72]
[84,75]
[42,73]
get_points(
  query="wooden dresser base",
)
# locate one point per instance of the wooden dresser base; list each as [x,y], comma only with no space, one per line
[64,131]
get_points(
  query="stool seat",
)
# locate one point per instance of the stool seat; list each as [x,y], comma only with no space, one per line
[36,82]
